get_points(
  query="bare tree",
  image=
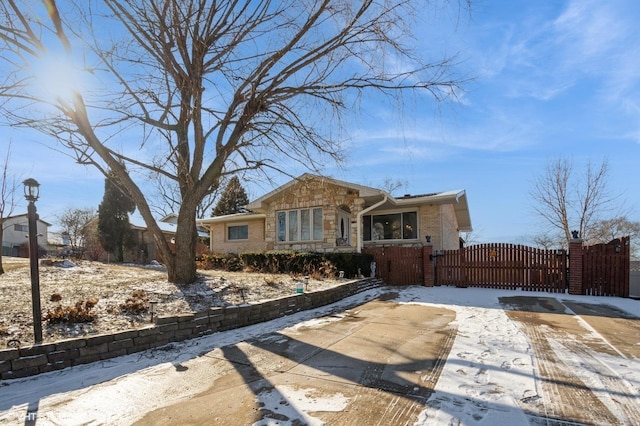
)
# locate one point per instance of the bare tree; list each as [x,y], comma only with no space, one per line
[212,88]
[545,241]
[607,230]
[8,188]
[566,202]
[471,238]
[74,225]
[391,186]
[168,199]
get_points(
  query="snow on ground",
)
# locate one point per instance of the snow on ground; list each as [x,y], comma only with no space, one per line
[489,374]
[489,367]
[290,403]
[101,393]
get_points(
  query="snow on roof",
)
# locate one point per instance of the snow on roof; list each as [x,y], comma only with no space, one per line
[138,222]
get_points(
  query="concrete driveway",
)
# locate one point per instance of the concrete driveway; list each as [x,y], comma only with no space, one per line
[398,361]
[375,364]
[388,356]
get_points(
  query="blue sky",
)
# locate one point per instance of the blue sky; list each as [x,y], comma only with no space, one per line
[548,79]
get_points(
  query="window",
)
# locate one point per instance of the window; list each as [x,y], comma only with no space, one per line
[238,232]
[282,226]
[305,225]
[293,225]
[317,224]
[394,226]
[21,228]
[300,225]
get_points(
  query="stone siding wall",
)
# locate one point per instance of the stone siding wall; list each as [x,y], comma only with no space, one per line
[32,360]
[309,194]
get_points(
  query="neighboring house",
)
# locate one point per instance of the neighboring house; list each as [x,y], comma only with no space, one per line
[321,214]
[144,249]
[59,243]
[15,240]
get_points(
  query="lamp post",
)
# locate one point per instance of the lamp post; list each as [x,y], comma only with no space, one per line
[31,193]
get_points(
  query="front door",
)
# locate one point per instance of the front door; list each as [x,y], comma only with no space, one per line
[343,231]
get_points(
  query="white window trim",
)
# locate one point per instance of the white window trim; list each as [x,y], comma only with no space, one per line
[226,231]
[299,230]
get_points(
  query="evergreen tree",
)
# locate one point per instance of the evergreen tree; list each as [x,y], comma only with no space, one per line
[114,230]
[232,200]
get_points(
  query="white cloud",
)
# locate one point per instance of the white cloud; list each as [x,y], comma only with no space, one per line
[598,38]
[501,132]
[589,28]
[548,51]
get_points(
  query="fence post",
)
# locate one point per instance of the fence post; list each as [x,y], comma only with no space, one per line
[575,266]
[427,265]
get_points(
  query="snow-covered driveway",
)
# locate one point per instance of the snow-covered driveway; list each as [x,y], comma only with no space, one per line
[538,358]
[432,356]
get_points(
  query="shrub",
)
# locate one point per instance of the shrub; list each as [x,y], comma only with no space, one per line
[317,265]
[313,264]
[137,303]
[80,312]
[350,263]
[282,262]
[220,261]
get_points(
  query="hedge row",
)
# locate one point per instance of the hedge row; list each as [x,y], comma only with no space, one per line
[290,262]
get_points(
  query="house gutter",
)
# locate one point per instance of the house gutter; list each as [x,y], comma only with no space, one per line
[359,221]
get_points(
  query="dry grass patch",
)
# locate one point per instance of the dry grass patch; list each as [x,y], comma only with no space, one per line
[113,298]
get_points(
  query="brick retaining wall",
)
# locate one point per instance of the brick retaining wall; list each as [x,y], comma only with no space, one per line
[32,360]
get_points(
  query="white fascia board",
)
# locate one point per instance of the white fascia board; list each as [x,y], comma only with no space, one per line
[364,191]
[236,217]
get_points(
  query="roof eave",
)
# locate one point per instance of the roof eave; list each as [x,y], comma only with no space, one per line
[363,191]
[237,217]
[457,198]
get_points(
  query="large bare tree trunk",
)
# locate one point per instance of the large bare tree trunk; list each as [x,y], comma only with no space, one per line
[184,270]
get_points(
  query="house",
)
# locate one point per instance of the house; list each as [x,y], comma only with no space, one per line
[321,214]
[143,249]
[16,232]
[59,243]
[146,248]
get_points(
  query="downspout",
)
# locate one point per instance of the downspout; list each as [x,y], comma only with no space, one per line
[359,221]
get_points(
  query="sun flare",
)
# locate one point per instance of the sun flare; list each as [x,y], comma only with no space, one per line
[56,78]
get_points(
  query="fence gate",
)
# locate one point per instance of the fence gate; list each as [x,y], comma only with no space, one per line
[398,265]
[605,268]
[504,266]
